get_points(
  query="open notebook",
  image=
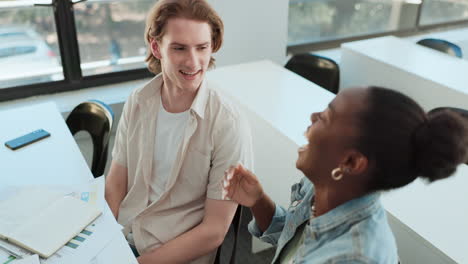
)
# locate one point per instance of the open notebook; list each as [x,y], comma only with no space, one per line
[42,220]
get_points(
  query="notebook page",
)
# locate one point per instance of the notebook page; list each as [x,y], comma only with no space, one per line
[52,228]
[20,206]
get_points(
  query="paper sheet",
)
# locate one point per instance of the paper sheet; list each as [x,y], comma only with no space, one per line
[6,257]
[117,251]
[33,259]
[84,247]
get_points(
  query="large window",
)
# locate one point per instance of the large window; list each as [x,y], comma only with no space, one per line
[29,51]
[441,11]
[50,46]
[313,21]
[110,35]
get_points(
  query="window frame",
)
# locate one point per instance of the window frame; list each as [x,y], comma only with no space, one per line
[71,63]
[417,28]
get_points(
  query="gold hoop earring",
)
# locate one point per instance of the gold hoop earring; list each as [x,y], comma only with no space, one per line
[337,174]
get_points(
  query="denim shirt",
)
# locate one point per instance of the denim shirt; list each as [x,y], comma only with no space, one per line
[354,232]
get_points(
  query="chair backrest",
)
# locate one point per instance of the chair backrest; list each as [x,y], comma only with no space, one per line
[322,71]
[96,118]
[236,223]
[462,112]
[442,45]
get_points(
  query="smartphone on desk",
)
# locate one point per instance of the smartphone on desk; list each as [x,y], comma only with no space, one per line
[27,139]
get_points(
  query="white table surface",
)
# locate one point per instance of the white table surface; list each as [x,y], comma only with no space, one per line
[53,160]
[431,77]
[433,215]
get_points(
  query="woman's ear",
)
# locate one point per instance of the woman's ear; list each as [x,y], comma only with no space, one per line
[355,163]
[155,48]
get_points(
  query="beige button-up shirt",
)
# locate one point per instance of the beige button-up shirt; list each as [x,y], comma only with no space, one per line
[215,138]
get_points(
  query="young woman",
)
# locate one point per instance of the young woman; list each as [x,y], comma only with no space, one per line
[368,140]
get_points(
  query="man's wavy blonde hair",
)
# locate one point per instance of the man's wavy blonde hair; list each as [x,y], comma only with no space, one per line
[163,10]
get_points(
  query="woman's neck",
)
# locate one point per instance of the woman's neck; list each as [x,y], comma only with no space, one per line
[328,198]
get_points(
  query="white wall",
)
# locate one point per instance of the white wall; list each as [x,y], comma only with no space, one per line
[254,30]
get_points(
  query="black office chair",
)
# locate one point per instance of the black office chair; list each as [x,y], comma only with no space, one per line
[443,46]
[317,69]
[96,118]
[236,221]
[460,111]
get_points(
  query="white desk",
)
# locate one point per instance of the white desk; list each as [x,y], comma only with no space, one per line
[54,160]
[278,104]
[430,222]
[431,77]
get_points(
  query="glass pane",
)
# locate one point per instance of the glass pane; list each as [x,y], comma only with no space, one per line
[320,20]
[29,51]
[440,11]
[110,35]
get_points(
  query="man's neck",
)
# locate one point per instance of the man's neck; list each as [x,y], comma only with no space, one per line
[175,99]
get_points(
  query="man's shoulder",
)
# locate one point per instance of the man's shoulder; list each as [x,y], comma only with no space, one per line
[221,103]
[145,91]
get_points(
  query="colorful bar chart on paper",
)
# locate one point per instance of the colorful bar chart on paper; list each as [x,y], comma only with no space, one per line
[6,258]
[80,238]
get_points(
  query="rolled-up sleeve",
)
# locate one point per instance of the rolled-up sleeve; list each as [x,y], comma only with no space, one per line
[273,232]
[233,145]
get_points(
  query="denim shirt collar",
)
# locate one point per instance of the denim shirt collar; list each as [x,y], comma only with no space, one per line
[349,212]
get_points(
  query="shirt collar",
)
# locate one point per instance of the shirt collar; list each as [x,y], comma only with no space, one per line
[199,102]
[351,211]
[153,88]
[150,90]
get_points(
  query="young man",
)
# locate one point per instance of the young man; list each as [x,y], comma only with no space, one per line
[175,139]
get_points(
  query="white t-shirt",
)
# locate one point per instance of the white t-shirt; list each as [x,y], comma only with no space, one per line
[170,130]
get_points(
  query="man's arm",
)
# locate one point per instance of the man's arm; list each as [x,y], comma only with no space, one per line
[199,241]
[116,187]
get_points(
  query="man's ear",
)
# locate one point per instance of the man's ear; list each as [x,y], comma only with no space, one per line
[355,163]
[155,48]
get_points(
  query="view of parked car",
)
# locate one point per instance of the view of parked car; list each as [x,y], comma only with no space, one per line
[26,58]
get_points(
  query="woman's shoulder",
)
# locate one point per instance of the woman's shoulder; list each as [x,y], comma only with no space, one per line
[372,237]
[369,240]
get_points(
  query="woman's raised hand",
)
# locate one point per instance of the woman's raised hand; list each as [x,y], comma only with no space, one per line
[241,186]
